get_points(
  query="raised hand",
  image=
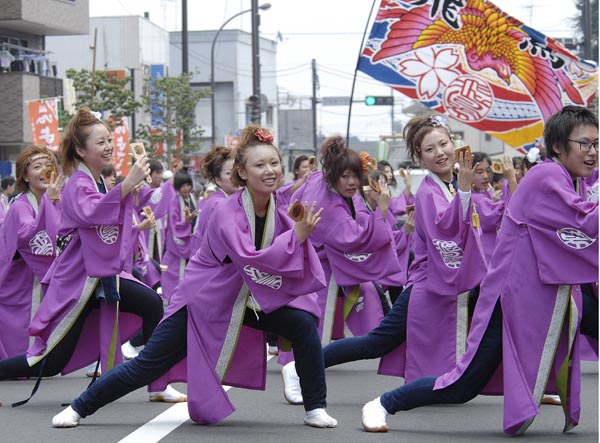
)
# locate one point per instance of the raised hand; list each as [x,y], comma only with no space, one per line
[310,219]
[509,173]
[54,186]
[465,171]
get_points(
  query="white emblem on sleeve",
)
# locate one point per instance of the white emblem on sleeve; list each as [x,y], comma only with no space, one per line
[41,244]
[451,253]
[156,196]
[358,258]
[262,278]
[360,304]
[108,233]
[574,238]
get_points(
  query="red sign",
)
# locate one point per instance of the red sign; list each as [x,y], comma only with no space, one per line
[43,117]
[121,153]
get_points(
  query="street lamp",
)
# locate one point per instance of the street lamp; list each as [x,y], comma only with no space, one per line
[262,7]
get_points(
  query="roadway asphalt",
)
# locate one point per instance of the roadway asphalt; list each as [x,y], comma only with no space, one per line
[264,416]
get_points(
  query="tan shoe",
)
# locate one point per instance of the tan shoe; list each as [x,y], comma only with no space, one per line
[169,395]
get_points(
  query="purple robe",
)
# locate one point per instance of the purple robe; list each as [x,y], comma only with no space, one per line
[100,225]
[547,246]
[204,215]
[27,249]
[354,252]
[216,287]
[448,263]
[398,204]
[141,258]
[490,215]
[159,200]
[177,242]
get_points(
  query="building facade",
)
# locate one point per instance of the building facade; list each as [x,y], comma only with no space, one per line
[232,77]
[26,70]
[129,45]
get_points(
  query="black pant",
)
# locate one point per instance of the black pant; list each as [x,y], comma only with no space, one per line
[486,360]
[168,346]
[135,298]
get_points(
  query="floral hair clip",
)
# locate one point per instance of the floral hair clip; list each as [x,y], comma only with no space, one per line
[439,121]
[264,136]
[96,114]
[367,162]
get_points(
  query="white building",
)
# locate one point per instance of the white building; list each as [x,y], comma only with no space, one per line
[131,44]
[233,79]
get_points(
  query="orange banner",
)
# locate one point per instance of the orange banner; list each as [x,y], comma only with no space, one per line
[121,153]
[43,117]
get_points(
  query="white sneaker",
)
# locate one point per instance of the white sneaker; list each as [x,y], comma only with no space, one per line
[373,416]
[549,399]
[128,350]
[319,418]
[66,419]
[169,395]
[291,384]
[272,350]
[89,370]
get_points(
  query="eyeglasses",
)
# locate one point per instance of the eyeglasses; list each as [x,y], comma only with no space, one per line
[585,146]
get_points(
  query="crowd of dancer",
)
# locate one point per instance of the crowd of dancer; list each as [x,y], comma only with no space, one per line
[339,265]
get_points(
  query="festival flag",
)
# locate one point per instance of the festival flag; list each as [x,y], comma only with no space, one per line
[471,61]
[43,118]
[121,153]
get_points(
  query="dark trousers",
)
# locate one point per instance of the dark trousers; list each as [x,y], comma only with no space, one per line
[384,338]
[485,361]
[168,346]
[135,298]
[300,328]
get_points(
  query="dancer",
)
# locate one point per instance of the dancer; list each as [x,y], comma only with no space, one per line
[88,289]
[253,275]
[356,247]
[28,245]
[216,169]
[546,248]
[183,217]
[425,332]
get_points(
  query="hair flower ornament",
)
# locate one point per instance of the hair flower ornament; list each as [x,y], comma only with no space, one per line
[96,114]
[367,162]
[264,136]
[533,155]
[438,120]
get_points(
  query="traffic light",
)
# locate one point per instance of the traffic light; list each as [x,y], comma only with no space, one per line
[253,108]
[377,100]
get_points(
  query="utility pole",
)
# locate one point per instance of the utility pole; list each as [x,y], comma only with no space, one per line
[315,86]
[184,61]
[255,113]
[184,37]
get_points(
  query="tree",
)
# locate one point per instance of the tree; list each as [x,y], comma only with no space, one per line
[104,93]
[171,101]
[578,22]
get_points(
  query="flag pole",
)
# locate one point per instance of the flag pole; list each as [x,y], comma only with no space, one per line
[362,43]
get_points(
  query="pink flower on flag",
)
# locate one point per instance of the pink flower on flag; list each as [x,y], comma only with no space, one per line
[434,67]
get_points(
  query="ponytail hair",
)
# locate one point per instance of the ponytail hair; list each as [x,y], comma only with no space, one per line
[76,133]
[213,162]
[336,157]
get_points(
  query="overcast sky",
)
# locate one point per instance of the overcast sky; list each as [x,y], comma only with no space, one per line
[330,31]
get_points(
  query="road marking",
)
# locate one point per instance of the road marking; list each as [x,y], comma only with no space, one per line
[165,423]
